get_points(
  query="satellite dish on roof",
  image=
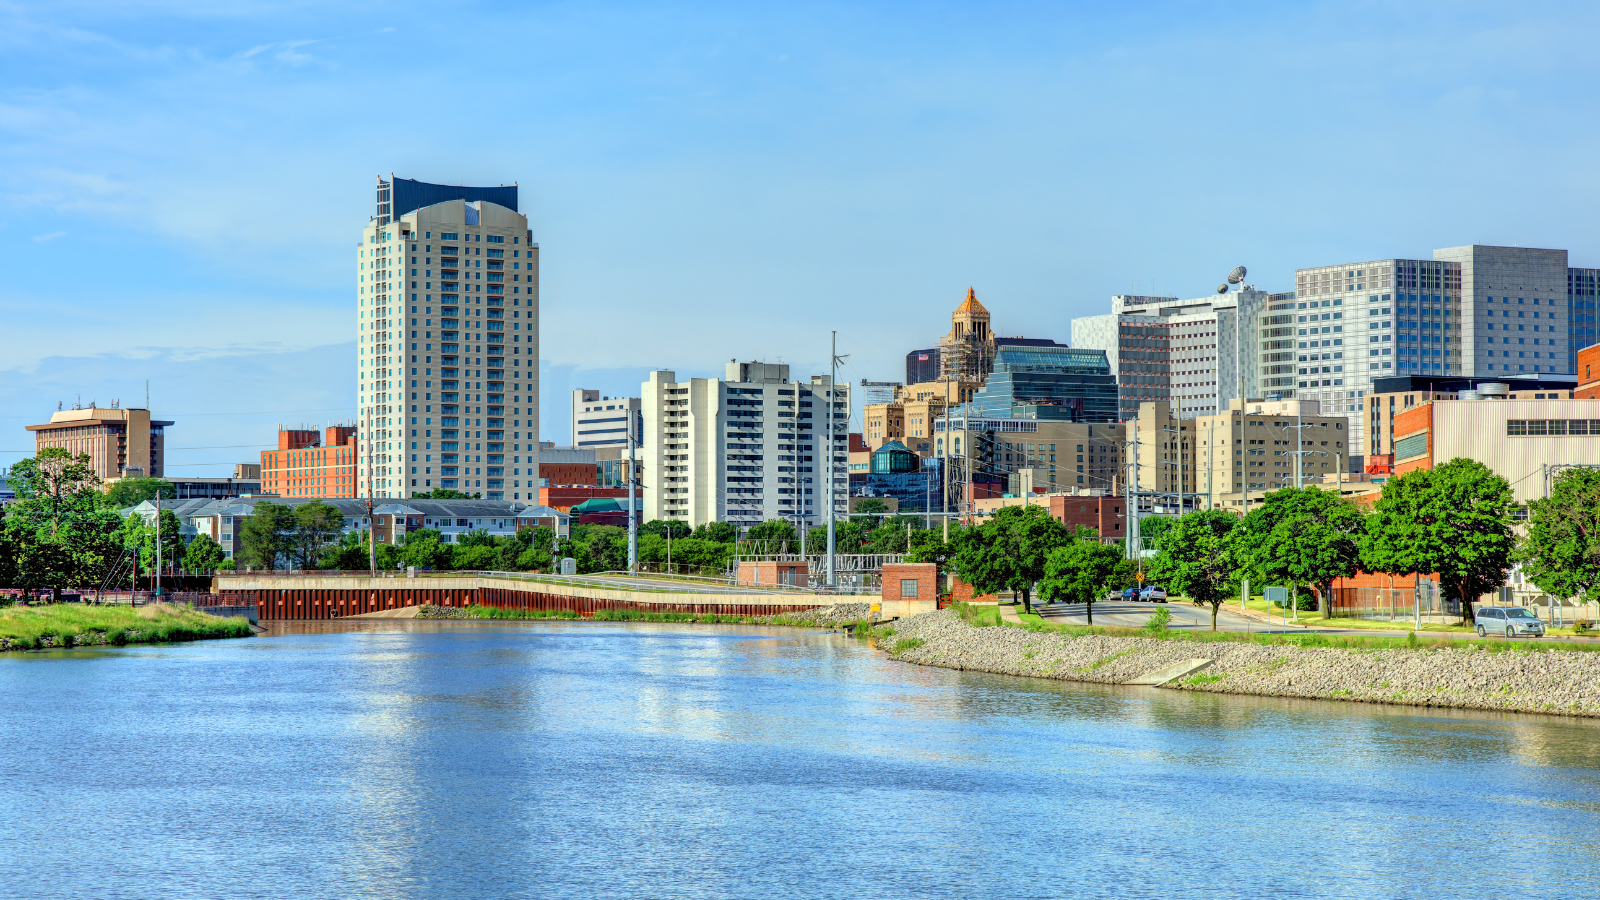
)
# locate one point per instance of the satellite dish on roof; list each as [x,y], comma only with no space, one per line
[1237,275]
[1222,289]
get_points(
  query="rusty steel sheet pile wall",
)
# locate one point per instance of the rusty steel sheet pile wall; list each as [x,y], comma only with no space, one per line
[336,598]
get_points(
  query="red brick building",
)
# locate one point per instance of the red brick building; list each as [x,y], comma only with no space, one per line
[1103,514]
[909,589]
[308,463]
[565,497]
[1588,374]
[566,474]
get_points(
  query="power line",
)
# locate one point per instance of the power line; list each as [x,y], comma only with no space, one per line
[282,412]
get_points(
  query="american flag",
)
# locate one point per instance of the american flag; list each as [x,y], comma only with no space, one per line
[922,357]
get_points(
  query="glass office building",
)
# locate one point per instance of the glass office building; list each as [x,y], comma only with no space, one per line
[1062,384]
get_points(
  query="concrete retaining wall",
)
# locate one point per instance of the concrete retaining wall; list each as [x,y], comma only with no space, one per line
[338,597]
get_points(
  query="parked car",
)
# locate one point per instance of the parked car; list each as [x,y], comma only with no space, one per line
[1512,621]
[1153,593]
[1130,595]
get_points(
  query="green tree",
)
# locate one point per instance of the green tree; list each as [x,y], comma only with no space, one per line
[424,549]
[134,491]
[56,529]
[1008,551]
[1082,571]
[444,494]
[170,538]
[317,525]
[1197,558]
[664,527]
[1151,530]
[707,556]
[775,534]
[1304,537]
[929,546]
[267,539]
[534,552]
[891,536]
[849,536]
[1561,550]
[722,532]
[349,553]
[474,557]
[1453,521]
[203,555]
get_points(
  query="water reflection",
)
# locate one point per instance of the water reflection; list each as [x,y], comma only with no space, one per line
[428,759]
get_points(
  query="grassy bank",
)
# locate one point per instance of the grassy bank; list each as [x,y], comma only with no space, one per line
[989,617]
[77,625]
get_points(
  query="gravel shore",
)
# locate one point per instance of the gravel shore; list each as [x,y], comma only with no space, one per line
[1544,681]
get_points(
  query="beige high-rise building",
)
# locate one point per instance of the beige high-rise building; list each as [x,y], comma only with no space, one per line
[120,442]
[448,358]
[1251,453]
[1166,472]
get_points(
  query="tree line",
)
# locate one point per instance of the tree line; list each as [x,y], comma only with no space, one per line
[63,531]
[1457,521]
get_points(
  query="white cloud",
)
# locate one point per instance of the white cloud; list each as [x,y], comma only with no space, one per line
[44,238]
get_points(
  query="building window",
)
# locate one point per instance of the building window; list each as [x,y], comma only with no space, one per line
[908,588]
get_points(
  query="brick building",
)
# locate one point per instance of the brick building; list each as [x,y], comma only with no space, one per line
[309,463]
[120,442]
[1104,514]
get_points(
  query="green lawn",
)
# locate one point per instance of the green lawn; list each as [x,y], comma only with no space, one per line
[1314,619]
[26,627]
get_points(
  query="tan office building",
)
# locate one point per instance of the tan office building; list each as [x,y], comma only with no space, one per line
[119,442]
[1252,453]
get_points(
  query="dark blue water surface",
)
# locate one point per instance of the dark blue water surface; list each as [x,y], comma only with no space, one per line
[448,760]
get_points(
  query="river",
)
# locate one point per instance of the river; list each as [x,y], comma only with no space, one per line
[510,760]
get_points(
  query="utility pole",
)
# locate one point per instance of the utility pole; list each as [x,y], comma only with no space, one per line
[158,536]
[1133,496]
[833,370]
[1211,450]
[633,515]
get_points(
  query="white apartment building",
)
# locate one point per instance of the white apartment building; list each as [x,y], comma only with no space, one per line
[1472,312]
[1185,352]
[448,346]
[745,448]
[599,421]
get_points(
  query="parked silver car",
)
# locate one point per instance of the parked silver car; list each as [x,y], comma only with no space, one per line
[1511,621]
[1153,593]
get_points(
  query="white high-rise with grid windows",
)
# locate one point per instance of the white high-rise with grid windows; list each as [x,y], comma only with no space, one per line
[745,448]
[448,344]
[1473,312]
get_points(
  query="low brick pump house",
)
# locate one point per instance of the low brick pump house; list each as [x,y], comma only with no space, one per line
[910,589]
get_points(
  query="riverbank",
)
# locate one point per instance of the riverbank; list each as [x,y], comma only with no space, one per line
[78,625]
[1523,677]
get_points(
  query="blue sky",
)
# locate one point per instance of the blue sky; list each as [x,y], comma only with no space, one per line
[182,184]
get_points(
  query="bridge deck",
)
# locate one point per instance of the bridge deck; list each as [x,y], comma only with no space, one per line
[337,596]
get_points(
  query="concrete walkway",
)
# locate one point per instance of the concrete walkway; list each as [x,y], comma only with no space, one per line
[404,612]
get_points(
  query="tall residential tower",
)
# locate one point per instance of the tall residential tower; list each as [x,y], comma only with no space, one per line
[448,359]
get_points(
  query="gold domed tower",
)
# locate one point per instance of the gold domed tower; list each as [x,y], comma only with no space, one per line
[967,352]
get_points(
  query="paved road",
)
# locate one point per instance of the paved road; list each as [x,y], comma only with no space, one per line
[1185,617]
[1188,617]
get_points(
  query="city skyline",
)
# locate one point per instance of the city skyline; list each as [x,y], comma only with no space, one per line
[206,233]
